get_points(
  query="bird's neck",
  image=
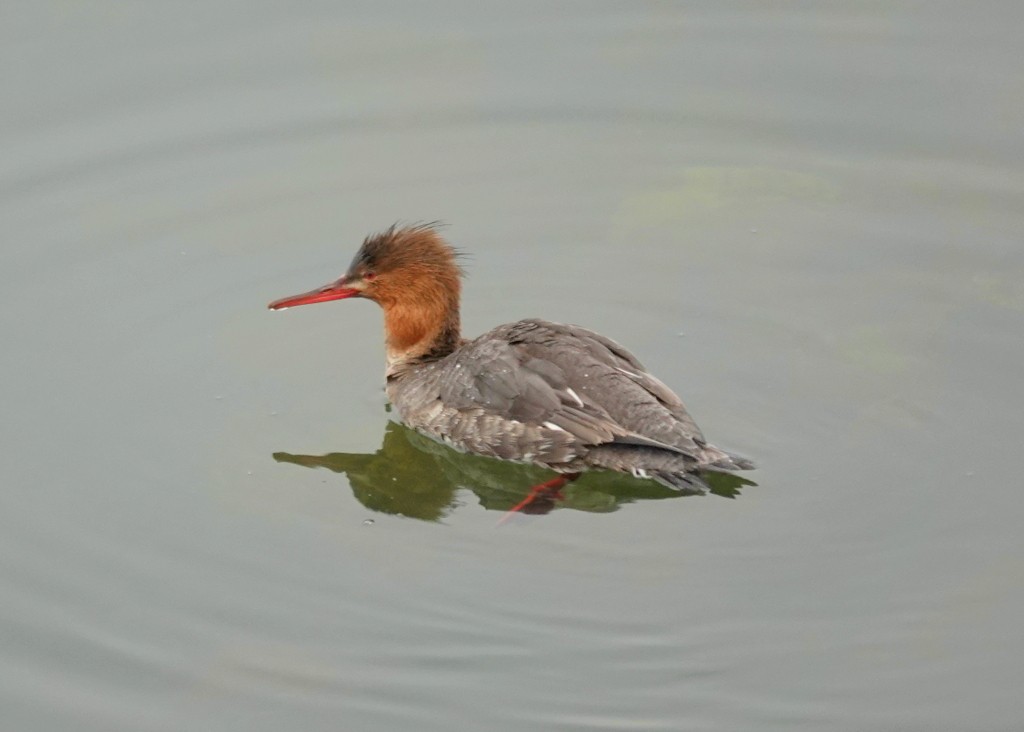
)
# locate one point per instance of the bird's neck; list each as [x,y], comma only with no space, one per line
[421,330]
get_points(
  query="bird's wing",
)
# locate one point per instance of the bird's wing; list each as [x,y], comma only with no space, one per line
[568,379]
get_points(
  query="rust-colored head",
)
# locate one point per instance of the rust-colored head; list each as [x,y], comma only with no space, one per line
[409,271]
[401,264]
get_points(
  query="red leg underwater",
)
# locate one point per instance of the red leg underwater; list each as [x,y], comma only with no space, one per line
[545,494]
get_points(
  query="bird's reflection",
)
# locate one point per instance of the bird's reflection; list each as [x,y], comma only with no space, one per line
[411,475]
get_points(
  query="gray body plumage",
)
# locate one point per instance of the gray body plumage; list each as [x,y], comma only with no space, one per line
[559,396]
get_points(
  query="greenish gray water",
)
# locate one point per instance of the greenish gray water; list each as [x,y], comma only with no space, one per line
[805,217]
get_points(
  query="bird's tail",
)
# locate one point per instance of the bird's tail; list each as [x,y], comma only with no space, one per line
[716,459]
[672,469]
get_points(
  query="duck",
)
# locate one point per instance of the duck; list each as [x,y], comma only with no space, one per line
[559,396]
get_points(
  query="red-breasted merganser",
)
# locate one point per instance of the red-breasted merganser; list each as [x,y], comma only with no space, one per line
[558,396]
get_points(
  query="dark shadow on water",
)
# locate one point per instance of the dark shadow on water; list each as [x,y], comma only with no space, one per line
[412,475]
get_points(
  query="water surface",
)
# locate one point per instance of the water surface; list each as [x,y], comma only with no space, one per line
[805,217]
